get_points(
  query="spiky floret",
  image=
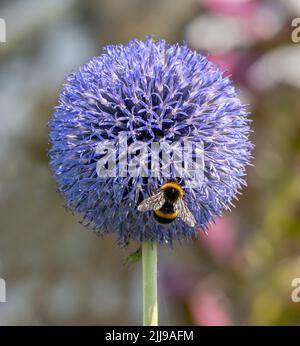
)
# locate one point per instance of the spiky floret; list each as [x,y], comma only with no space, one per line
[150,91]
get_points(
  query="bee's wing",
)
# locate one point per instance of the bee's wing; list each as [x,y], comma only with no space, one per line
[184,213]
[154,202]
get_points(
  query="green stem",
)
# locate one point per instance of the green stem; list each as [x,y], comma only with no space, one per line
[149,253]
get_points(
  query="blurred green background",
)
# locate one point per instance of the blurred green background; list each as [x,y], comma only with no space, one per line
[57,272]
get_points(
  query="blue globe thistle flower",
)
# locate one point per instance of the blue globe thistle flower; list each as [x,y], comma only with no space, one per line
[149,91]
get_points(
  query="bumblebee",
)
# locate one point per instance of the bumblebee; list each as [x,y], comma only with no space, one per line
[168,204]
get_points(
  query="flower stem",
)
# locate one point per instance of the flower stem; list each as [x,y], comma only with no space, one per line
[149,254]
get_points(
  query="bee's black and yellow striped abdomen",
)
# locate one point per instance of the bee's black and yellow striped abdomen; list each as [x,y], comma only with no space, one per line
[166,214]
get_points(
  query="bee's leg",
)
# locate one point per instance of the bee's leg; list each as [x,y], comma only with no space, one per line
[152,188]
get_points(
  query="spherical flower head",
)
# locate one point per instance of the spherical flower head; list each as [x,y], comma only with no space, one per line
[148,92]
